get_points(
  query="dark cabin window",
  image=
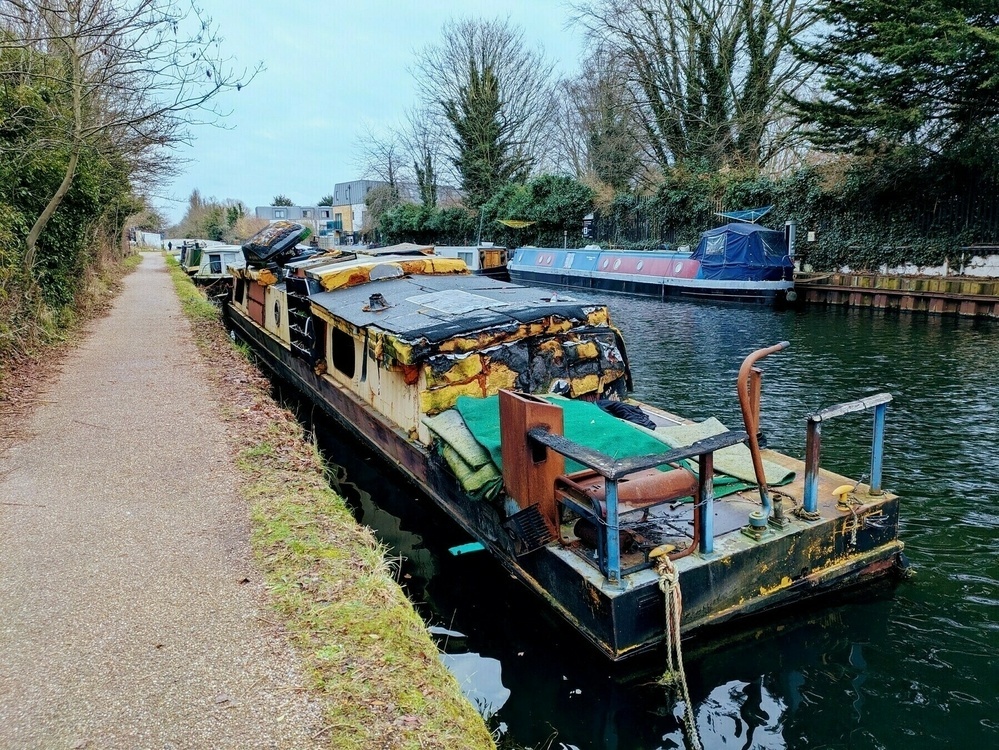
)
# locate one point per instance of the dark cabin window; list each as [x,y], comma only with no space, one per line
[342,352]
[715,246]
[214,263]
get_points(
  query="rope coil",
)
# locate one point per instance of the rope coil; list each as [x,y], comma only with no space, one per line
[674,678]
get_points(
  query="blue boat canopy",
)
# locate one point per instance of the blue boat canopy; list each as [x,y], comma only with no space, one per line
[741,251]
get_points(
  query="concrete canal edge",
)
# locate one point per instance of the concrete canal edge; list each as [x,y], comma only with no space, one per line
[370,659]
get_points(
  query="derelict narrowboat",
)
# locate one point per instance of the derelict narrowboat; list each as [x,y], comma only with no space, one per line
[485,259]
[738,262]
[507,405]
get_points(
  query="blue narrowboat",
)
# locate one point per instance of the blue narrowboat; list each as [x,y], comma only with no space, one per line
[738,262]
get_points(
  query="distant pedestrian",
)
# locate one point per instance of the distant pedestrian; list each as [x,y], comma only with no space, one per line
[170,247]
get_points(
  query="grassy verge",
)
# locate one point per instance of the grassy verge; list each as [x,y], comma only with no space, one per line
[368,655]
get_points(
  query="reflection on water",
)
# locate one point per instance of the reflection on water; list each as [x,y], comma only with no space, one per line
[916,667]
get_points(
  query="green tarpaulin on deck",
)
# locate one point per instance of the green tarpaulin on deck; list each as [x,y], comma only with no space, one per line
[583,422]
[586,424]
[736,460]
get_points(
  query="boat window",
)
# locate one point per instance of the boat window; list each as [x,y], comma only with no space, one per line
[640,265]
[715,246]
[773,244]
[342,351]
[468,258]
[214,263]
[277,312]
[239,291]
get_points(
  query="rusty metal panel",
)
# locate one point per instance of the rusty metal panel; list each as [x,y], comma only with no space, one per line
[529,474]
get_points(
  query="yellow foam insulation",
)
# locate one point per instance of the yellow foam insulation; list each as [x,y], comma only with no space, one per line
[581,351]
[464,369]
[388,350]
[598,317]
[339,278]
[436,400]
[500,376]
[585,384]
[552,347]
[263,276]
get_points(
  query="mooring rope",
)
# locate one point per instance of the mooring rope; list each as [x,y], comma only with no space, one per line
[674,677]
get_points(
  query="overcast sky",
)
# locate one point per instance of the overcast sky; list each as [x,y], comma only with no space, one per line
[331,69]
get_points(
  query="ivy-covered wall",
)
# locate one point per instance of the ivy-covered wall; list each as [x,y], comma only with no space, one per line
[864,214]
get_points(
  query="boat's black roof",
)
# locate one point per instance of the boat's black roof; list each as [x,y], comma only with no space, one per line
[439,307]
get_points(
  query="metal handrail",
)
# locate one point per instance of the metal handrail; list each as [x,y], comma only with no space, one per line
[612,470]
[813,443]
[750,417]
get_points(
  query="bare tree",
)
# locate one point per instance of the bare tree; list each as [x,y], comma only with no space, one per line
[406,156]
[135,75]
[381,155]
[423,141]
[594,131]
[706,78]
[443,70]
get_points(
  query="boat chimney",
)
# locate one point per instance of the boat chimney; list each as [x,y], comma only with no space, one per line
[377,302]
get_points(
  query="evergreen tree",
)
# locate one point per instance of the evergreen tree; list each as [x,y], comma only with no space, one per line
[612,147]
[426,178]
[906,73]
[487,154]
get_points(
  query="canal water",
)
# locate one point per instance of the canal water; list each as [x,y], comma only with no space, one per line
[907,667]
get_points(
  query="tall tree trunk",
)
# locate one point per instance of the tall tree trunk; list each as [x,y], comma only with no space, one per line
[50,209]
[31,243]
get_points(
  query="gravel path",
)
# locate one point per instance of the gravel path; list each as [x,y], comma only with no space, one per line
[131,612]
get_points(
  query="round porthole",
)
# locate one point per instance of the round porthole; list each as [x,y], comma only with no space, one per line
[677,268]
[617,264]
[277,313]
[639,266]
[605,264]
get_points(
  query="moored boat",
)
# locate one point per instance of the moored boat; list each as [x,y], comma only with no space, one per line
[507,405]
[485,259]
[215,262]
[738,262]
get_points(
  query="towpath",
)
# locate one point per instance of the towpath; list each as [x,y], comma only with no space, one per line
[131,612]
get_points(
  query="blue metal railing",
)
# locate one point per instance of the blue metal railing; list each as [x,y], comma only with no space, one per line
[613,470]
[813,443]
